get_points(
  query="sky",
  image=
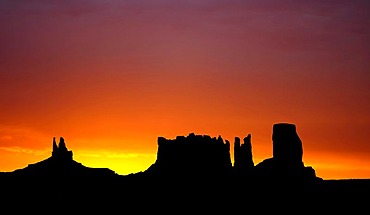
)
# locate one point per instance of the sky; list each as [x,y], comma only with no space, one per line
[110,77]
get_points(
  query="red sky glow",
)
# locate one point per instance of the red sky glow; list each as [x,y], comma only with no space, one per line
[112,76]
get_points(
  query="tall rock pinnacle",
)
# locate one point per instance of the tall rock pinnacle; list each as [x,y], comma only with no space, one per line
[243,159]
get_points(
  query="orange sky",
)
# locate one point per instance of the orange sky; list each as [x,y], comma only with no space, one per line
[112,76]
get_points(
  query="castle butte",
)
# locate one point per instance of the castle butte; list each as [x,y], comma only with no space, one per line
[202,155]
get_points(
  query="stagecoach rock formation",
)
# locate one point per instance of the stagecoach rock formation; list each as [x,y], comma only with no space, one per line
[286,163]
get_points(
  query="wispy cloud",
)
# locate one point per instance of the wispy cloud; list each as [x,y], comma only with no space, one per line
[17,149]
[6,137]
[20,138]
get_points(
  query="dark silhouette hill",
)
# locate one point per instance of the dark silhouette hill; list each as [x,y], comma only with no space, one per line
[60,165]
[189,170]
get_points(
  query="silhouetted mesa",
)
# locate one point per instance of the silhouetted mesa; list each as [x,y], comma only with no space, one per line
[286,163]
[194,155]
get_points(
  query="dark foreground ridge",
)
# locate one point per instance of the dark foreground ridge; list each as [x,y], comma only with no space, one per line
[197,167]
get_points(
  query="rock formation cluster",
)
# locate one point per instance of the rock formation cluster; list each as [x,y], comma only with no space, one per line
[202,155]
[197,157]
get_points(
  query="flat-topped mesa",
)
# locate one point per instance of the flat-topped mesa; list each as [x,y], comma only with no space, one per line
[194,155]
[61,152]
